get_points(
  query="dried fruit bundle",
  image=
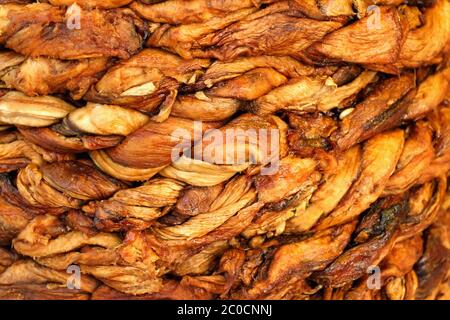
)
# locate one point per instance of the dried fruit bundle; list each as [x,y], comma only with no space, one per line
[197,149]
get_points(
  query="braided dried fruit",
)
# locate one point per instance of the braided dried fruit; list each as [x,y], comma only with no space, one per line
[223,149]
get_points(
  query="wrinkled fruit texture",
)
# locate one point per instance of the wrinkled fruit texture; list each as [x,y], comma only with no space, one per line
[105,106]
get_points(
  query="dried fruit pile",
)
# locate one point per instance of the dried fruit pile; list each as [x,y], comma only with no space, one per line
[99,99]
